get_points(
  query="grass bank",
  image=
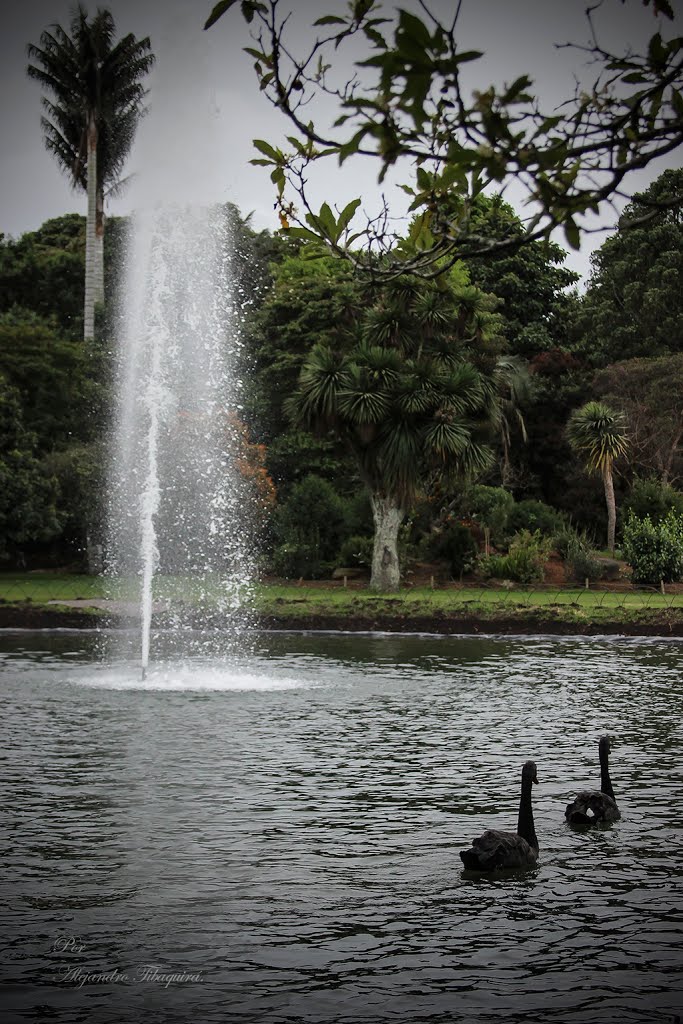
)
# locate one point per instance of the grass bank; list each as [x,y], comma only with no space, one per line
[32,600]
[467,609]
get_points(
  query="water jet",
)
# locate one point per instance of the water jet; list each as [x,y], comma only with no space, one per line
[177,530]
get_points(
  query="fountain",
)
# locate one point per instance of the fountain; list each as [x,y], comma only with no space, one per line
[178,540]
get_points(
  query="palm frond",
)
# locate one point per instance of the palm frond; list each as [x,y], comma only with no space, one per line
[598,432]
[90,76]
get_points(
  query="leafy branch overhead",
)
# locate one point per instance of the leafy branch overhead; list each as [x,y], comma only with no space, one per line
[406,103]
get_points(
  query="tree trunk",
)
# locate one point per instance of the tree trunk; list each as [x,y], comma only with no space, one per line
[99,248]
[90,235]
[385,568]
[611,508]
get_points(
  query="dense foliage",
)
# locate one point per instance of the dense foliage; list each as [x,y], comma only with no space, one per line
[451,398]
[655,550]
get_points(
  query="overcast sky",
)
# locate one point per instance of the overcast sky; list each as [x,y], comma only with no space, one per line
[205,108]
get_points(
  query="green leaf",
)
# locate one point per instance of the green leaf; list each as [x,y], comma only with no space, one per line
[350,147]
[303,233]
[329,19]
[656,52]
[218,12]
[267,149]
[327,221]
[278,178]
[346,215]
[413,35]
[263,58]
[572,234]
[467,55]
[424,180]
[249,9]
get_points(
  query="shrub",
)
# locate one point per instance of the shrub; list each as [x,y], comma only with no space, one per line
[652,498]
[312,515]
[580,562]
[356,551]
[654,550]
[525,560]
[489,506]
[294,560]
[535,515]
[308,528]
[565,538]
[456,545]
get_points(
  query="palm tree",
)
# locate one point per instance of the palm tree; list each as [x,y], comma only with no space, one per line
[598,433]
[97,101]
[513,385]
[406,400]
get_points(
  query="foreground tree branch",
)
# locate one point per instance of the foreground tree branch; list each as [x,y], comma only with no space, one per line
[405,103]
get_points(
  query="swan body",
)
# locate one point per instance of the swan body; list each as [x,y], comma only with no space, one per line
[596,806]
[518,849]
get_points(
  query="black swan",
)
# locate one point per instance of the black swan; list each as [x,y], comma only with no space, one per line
[595,806]
[508,849]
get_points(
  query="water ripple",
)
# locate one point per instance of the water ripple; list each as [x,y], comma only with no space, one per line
[280,836]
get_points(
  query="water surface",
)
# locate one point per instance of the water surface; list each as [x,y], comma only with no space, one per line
[277,840]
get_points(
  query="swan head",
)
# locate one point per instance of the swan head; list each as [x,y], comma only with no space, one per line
[529,772]
[604,745]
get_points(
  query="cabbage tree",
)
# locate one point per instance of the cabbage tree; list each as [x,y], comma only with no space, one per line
[407,399]
[597,433]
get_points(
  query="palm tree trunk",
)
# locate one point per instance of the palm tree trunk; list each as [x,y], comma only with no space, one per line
[611,507]
[90,235]
[99,248]
[385,568]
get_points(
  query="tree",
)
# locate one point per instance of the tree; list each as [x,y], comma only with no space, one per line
[529,280]
[42,271]
[27,509]
[406,399]
[490,506]
[649,395]
[513,388]
[310,301]
[49,373]
[597,433]
[97,102]
[633,306]
[406,101]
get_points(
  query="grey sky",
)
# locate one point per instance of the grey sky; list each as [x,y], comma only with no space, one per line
[195,143]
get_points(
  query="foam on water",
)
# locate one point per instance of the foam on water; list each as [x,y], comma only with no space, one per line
[182,677]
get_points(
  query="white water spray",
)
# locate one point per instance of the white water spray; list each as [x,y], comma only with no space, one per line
[178,536]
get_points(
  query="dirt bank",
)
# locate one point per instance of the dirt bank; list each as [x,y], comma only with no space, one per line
[668,623]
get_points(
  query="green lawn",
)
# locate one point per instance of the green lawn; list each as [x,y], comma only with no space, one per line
[292,599]
[424,601]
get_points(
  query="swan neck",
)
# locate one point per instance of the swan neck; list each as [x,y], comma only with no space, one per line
[605,781]
[525,823]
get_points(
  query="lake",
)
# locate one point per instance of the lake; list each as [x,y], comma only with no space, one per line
[274,836]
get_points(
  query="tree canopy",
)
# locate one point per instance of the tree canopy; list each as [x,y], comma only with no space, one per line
[649,394]
[94,102]
[407,398]
[633,305]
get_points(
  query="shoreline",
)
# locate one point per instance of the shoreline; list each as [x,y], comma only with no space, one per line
[665,623]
